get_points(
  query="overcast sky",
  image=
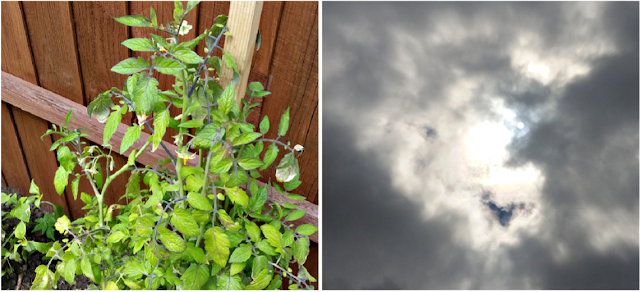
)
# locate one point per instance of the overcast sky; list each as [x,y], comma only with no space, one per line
[480,145]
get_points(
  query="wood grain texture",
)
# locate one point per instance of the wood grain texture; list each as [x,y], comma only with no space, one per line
[293,81]
[16,57]
[99,39]
[53,107]
[269,22]
[208,12]
[164,13]
[244,18]
[14,167]
[53,43]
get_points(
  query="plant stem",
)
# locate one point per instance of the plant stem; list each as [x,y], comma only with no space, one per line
[113,176]
[200,236]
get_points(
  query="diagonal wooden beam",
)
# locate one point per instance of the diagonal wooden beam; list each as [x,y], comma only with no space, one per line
[54,108]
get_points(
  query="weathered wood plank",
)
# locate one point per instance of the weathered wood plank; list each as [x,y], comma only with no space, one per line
[14,168]
[99,46]
[271,12]
[53,107]
[294,83]
[244,18]
[16,56]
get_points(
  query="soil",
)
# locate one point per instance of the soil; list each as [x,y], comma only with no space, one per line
[27,268]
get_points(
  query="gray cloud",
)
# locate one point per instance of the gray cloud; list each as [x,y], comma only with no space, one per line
[406,85]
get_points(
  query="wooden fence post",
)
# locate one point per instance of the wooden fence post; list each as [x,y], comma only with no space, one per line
[244,18]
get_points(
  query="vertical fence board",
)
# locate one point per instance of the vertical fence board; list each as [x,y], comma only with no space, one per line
[209,10]
[51,31]
[271,12]
[16,56]
[164,13]
[13,165]
[99,40]
[293,83]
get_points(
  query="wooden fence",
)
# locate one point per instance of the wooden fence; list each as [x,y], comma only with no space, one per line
[67,49]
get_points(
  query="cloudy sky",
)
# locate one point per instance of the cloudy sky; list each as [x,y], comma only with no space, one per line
[480,145]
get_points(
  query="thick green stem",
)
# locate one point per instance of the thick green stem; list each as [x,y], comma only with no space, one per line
[185,106]
[200,236]
[113,176]
[206,174]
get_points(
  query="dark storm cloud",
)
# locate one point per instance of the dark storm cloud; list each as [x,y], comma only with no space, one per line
[371,231]
[586,145]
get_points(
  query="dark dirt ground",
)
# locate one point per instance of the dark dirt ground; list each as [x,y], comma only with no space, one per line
[27,268]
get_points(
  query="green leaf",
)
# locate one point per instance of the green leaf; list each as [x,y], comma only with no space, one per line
[190,5]
[187,56]
[217,244]
[196,253]
[154,19]
[228,282]
[238,196]
[112,125]
[144,226]
[115,237]
[270,156]
[223,166]
[264,246]
[252,230]
[131,65]
[112,286]
[306,229]
[66,158]
[171,241]
[145,95]
[43,280]
[140,44]
[241,254]
[70,272]
[295,215]
[160,40]
[264,125]
[139,21]
[245,138]
[191,124]
[61,179]
[21,230]
[256,86]
[237,267]
[177,13]
[85,266]
[160,124]
[260,282]
[184,222]
[259,264]
[295,197]
[301,250]
[249,163]
[273,236]
[284,123]
[194,277]
[199,202]
[131,136]
[133,268]
[228,60]
[101,107]
[167,66]
[226,100]
[258,199]
[204,138]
